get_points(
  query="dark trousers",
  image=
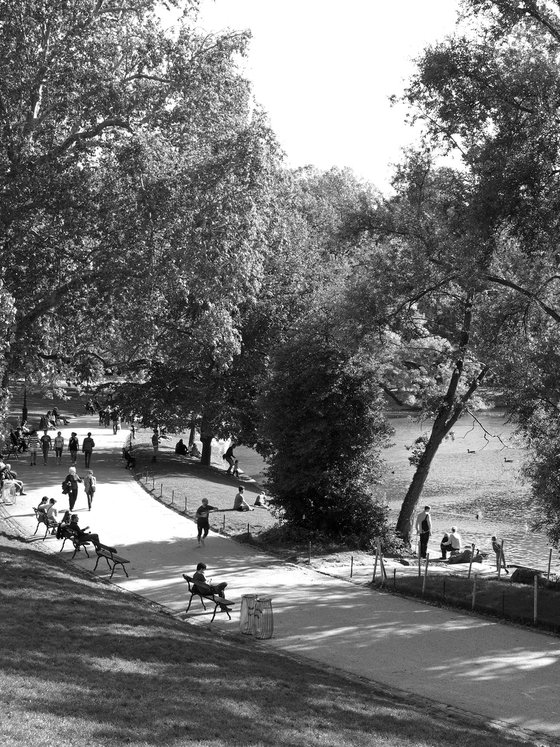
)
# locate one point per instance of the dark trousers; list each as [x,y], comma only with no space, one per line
[424,539]
[203,527]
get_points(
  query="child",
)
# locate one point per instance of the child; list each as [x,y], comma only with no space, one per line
[235,472]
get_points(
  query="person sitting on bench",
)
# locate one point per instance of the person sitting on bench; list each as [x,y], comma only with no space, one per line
[214,588]
[11,477]
[82,534]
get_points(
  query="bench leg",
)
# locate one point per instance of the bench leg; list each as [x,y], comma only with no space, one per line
[96,562]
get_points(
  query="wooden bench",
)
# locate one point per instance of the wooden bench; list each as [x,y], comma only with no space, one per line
[42,518]
[112,558]
[204,591]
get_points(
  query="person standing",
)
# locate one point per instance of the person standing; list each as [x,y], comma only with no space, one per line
[202,523]
[235,471]
[88,444]
[71,484]
[155,444]
[498,548]
[424,529]
[90,484]
[33,444]
[58,446]
[46,444]
[73,446]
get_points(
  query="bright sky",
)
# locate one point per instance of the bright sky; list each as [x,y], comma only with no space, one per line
[324,70]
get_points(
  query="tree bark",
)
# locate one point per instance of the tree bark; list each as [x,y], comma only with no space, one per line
[206,450]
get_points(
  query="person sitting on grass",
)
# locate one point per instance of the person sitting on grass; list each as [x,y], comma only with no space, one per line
[214,588]
[239,503]
[450,543]
[195,451]
[181,448]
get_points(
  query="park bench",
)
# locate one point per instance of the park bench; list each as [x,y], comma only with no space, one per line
[112,558]
[42,518]
[69,534]
[204,591]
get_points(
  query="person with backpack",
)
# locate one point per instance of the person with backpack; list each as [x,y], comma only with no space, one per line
[70,486]
[90,484]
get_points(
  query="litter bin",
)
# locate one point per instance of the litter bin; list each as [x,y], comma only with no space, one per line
[246,615]
[264,622]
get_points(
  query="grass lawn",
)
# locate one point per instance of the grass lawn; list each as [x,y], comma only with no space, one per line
[84,663]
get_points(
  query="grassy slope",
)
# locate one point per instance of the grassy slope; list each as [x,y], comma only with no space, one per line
[83,663]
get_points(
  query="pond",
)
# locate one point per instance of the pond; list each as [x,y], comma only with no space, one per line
[473,475]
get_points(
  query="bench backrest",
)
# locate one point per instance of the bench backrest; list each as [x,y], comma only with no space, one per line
[198,587]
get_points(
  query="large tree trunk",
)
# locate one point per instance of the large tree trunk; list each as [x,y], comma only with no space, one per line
[206,450]
[440,429]
[451,409]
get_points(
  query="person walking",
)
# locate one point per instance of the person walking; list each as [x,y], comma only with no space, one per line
[229,456]
[33,444]
[58,446]
[71,485]
[202,523]
[90,485]
[88,444]
[73,446]
[424,529]
[46,445]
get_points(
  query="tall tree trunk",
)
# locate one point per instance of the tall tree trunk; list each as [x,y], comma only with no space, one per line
[451,409]
[206,450]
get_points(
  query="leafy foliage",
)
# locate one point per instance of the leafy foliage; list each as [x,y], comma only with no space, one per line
[322,415]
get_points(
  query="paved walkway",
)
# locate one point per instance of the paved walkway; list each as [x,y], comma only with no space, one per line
[503,673]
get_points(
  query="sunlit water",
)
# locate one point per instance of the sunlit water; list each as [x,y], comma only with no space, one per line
[462,485]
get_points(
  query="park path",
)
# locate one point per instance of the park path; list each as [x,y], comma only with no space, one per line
[504,674]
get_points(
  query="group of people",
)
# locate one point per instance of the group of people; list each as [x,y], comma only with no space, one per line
[68,525]
[239,504]
[182,449]
[47,444]
[451,543]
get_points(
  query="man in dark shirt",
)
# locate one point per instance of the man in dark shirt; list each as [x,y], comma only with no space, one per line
[214,588]
[202,520]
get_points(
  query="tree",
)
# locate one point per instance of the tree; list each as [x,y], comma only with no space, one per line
[89,127]
[490,96]
[324,422]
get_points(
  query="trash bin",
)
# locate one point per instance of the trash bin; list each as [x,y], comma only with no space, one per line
[246,615]
[264,622]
